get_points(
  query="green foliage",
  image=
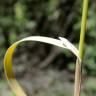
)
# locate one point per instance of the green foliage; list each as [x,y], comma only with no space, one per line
[13,94]
[20,11]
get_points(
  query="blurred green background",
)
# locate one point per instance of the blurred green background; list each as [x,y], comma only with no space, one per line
[40,68]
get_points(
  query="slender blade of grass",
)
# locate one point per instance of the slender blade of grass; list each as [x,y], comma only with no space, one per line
[78,70]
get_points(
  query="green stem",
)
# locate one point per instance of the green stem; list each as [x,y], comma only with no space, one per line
[83,28]
[78,73]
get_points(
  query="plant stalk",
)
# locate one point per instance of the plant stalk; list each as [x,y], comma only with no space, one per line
[78,70]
